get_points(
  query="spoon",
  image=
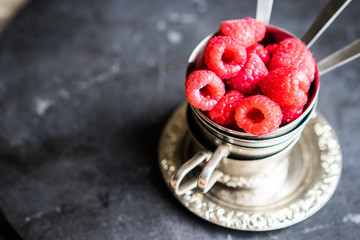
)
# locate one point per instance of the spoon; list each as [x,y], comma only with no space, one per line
[324,19]
[340,57]
[263,11]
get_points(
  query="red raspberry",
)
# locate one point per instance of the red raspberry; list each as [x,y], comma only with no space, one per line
[286,86]
[200,63]
[290,113]
[204,89]
[225,56]
[224,111]
[271,48]
[259,49]
[291,52]
[247,31]
[248,79]
[258,115]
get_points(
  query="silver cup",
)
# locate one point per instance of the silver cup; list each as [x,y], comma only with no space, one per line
[235,158]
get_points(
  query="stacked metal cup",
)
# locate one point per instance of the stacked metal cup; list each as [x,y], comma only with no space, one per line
[238,159]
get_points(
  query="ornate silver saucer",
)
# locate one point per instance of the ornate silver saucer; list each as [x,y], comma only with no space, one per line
[314,169]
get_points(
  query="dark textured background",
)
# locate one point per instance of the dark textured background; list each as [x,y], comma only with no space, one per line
[85,89]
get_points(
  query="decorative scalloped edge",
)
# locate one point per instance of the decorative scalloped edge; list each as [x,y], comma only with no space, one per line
[309,203]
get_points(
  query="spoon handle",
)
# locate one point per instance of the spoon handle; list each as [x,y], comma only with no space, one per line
[325,18]
[8,10]
[340,57]
[263,10]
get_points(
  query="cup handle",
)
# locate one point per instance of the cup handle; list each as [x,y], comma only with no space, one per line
[208,176]
[184,170]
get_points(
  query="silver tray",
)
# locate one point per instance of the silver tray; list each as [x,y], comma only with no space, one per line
[314,172]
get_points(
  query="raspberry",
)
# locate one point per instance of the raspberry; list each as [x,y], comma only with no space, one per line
[258,115]
[247,31]
[204,89]
[248,79]
[259,49]
[290,113]
[200,63]
[223,112]
[271,48]
[286,86]
[225,56]
[291,52]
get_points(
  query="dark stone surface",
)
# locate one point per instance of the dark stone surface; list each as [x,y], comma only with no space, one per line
[86,87]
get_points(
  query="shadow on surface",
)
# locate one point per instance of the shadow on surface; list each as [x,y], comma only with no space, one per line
[7,232]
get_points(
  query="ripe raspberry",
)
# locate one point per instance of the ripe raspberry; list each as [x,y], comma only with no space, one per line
[259,49]
[258,115]
[204,89]
[225,56]
[286,86]
[223,112]
[200,63]
[291,52]
[247,31]
[271,48]
[248,79]
[290,113]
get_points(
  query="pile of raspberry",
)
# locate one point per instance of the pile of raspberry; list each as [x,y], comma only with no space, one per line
[242,84]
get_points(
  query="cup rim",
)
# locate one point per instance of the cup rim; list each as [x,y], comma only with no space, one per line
[253,143]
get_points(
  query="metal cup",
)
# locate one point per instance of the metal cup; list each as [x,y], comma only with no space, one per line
[235,158]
